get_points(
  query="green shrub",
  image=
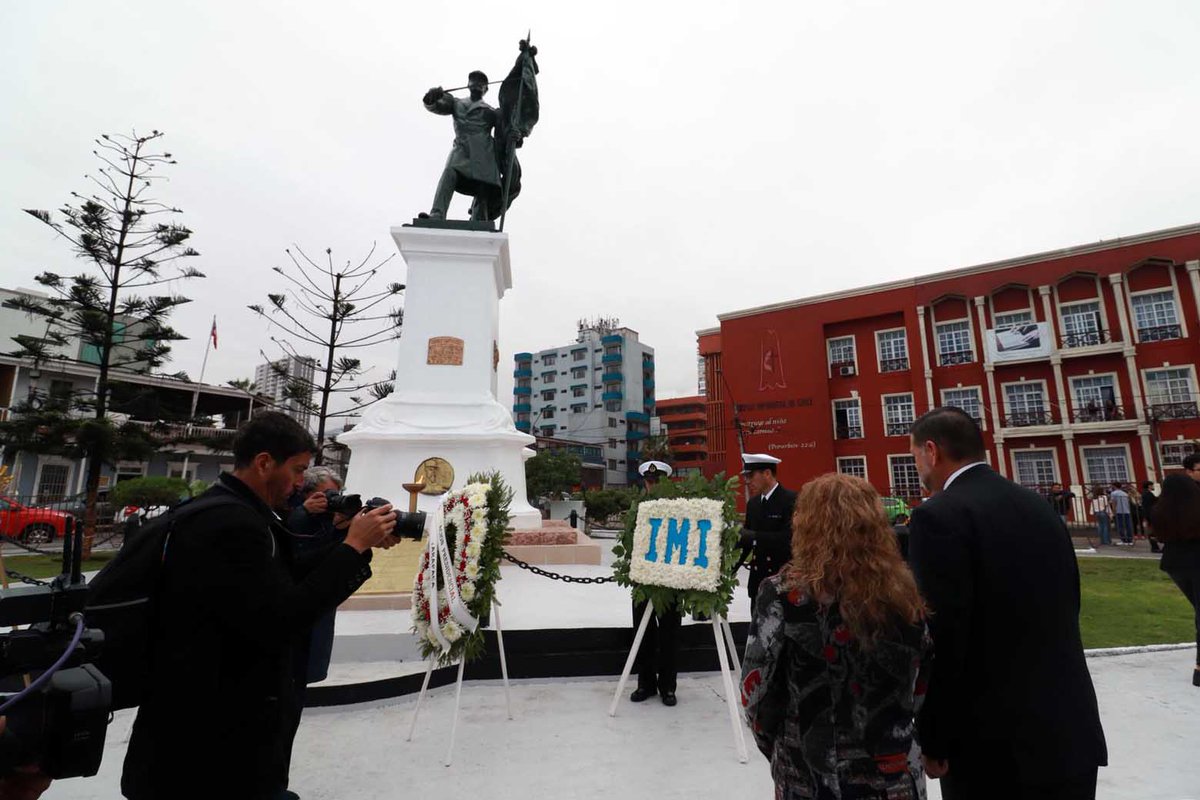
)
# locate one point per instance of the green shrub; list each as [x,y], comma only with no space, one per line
[604,503]
[152,491]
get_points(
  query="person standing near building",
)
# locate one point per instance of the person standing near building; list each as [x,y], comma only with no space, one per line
[1176,522]
[1061,499]
[1122,514]
[657,658]
[1100,510]
[767,534]
[1011,711]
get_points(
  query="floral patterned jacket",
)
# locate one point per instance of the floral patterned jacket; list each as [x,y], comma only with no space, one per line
[834,718]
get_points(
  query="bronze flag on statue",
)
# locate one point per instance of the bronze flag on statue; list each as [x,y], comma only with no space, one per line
[519,110]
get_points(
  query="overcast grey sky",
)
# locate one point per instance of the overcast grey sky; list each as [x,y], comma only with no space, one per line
[692,158]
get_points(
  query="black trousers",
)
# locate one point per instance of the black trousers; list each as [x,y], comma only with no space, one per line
[1188,581]
[996,783]
[657,658]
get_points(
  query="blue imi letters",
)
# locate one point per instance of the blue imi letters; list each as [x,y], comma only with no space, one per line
[677,538]
[677,544]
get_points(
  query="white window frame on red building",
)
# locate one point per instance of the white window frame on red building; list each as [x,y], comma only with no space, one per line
[879,355]
[860,459]
[937,341]
[916,489]
[853,362]
[1055,473]
[862,429]
[978,397]
[1179,450]
[1077,411]
[1176,311]
[912,405]
[1090,479]
[1026,315]
[1007,412]
[1082,338]
[1193,394]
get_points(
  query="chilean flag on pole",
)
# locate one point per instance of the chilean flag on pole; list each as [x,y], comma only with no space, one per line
[213,334]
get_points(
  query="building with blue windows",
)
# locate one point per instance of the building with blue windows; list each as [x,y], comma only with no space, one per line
[599,389]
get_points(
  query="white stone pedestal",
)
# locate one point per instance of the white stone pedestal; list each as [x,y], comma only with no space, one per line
[445,402]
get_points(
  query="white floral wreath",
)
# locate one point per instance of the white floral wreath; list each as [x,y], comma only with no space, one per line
[466,512]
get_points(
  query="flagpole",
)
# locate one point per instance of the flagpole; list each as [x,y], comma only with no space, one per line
[203,367]
[512,142]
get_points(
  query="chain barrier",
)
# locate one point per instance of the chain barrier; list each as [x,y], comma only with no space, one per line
[554,576]
[12,573]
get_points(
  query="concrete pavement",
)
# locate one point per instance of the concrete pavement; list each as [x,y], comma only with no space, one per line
[563,745]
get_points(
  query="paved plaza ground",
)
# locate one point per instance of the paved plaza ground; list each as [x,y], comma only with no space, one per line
[563,745]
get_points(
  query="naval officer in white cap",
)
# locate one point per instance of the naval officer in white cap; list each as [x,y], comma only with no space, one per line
[767,535]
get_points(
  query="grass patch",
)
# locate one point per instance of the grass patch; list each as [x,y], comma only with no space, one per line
[40,566]
[1130,601]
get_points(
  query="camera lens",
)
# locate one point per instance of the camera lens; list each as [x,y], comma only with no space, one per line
[410,525]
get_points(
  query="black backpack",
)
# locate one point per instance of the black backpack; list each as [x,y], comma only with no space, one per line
[121,600]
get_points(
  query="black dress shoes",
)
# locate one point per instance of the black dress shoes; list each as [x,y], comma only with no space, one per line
[641,694]
[668,699]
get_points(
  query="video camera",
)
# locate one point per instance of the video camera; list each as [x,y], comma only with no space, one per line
[409,524]
[58,714]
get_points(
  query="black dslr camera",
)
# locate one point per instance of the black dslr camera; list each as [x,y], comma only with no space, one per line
[338,502]
[59,721]
[409,524]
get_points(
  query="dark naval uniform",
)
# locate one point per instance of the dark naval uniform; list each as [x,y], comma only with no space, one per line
[656,661]
[770,522]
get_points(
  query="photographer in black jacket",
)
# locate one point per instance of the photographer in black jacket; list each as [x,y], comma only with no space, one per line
[314,529]
[218,714]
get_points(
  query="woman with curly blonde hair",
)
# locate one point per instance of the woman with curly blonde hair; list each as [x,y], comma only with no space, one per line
[833,680]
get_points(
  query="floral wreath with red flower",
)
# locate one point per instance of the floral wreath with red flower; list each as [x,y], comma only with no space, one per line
[459,570]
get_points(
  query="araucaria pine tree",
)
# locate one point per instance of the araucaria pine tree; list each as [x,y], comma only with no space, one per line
[130,244]
[333,310]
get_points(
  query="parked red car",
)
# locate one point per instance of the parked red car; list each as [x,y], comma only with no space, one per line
[30,524]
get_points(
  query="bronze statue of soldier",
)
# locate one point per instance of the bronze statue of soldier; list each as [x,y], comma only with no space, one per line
[482,163]
[471,168]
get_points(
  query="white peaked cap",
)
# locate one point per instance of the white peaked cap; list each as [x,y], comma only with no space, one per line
[660,466]
[757,461]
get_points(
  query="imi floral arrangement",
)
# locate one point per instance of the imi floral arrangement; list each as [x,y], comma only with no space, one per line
[456,581]
[680,544]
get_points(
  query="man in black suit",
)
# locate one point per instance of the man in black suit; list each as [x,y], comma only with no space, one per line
[1010,711]
[221,707]
[767,535]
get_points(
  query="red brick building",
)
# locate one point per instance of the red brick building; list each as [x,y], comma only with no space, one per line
[1080,365]
[687,431]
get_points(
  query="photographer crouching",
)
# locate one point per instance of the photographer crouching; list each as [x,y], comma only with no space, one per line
[221,709]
